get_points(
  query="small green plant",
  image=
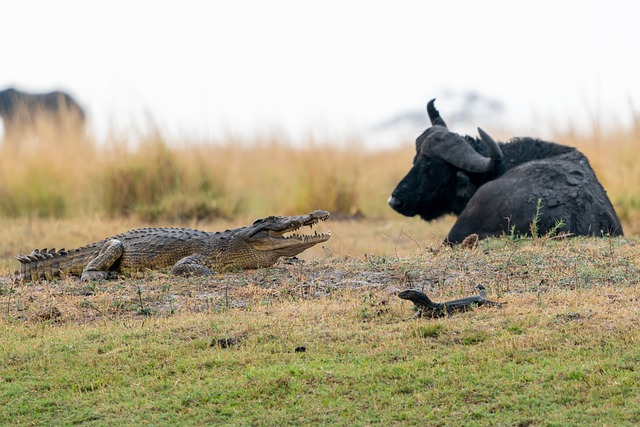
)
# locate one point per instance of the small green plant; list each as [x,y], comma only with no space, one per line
[142,310]
[515,329]
[7,290]
[536,220]
[429,331]
[376,262]
[474,337]
[557,226]
[534,227]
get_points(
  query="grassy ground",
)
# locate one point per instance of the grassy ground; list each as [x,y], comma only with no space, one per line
[227,349]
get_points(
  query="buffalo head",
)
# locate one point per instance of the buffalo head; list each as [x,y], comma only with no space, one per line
[446,171]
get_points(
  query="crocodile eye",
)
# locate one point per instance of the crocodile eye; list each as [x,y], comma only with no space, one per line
[259,221]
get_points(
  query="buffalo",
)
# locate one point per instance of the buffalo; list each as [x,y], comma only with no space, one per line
[21,110]
[494,188]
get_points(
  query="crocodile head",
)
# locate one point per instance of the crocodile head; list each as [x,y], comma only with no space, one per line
[277,236]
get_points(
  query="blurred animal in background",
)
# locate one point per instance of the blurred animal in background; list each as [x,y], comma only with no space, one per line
[518,187]
[24,112]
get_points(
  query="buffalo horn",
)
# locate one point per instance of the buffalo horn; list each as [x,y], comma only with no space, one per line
[456,151]
[434,115]
[495,152]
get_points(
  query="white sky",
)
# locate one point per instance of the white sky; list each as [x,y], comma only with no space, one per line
[204,68]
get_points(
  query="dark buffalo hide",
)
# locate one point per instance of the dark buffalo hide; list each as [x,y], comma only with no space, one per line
[495,188]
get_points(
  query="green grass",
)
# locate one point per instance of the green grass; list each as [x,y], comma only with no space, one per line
[165,371]
[563,350]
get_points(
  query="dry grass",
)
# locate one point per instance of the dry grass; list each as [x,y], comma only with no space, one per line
[53,173]
[509,269]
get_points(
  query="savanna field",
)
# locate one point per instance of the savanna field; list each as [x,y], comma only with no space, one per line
[323,340]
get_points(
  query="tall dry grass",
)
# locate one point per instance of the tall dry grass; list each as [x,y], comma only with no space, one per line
[47,170]
[56,173]
[49,176]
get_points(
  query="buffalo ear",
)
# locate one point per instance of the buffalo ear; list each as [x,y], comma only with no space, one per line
[464,188]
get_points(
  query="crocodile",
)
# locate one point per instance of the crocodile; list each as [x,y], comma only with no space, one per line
[425,306]
[185,251]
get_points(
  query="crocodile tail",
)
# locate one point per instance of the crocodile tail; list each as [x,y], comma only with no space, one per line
[40,264]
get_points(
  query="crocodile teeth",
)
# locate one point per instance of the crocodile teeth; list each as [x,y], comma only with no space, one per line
[307,236]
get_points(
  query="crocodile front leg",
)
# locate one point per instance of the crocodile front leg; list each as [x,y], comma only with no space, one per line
[192,265]
[98,268]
